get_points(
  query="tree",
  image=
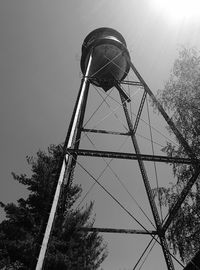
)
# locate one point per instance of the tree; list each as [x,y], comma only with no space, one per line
[21,231]
[181,98]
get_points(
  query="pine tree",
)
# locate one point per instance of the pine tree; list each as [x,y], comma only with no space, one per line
[21,231]
[181,97]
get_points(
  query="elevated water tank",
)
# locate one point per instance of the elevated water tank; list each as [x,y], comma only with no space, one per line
[109,57]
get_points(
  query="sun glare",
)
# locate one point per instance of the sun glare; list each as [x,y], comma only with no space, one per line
[178,10]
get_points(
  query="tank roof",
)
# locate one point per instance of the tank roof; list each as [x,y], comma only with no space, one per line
[104,30]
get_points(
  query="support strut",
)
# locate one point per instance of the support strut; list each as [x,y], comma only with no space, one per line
[131,156]
[71,137]
[163,241]
[112,230]
[179,136]
[180,200]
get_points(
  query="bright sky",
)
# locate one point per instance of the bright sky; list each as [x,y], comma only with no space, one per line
[179,10]
[40,51]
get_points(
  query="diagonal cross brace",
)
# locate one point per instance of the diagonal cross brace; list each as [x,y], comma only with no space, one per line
[139,111]
[179,136]
[177,205]
[122,92]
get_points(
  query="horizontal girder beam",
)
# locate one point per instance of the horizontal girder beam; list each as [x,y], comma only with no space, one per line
[121,155]
[112,230]
[132,83]
[135,83]
[103,131]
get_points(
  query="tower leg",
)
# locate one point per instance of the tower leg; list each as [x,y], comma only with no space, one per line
[179,136]
[73,131]
[163,241]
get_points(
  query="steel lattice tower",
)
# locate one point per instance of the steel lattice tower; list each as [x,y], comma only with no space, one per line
[105,63]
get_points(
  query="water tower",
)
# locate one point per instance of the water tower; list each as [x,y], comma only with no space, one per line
[105,64]
[105,44]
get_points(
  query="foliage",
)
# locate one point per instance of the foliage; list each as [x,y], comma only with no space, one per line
[21,232]
[181,98]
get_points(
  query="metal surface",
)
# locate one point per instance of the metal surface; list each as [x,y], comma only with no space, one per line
[163,241]
[109,57]
[112,230]
[102,131]
[105,62]
[173,211]
[125,155]
[48,230]
[179,136]
[182,141]
[122,92]
[134,83]
[49,227]
[139,112]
